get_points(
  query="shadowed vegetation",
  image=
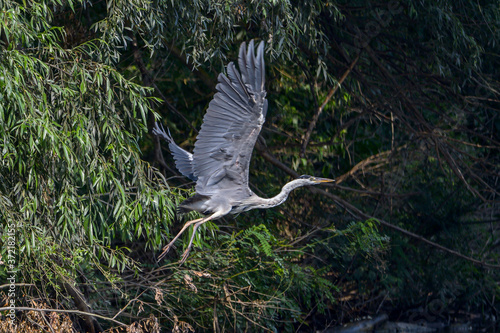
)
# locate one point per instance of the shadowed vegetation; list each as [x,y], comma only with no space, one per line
[396,100]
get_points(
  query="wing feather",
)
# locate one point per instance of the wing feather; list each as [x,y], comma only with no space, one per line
[251,65]
[235,91]
[235,78]
[183,159]
[260,76]
[242,64]
[231,125]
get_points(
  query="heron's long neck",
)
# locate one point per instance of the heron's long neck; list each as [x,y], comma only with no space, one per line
[283,195]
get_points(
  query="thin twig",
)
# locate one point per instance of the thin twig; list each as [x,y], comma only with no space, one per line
[377,158]
[22,308]
[47,322]
[17,285]
[315,118]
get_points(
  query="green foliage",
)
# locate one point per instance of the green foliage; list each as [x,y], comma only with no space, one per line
[72,182]
[251,279]
[364,239]
[411,135]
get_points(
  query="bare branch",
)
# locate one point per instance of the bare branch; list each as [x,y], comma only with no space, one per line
[315,118]
[22,308]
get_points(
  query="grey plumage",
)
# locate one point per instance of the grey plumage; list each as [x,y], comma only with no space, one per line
[223,148]
[183,159]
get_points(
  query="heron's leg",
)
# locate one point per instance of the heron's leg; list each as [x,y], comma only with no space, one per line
[167,247]
[186,252]
[198,223]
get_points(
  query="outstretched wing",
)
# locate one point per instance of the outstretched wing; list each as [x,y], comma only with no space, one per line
[183,159]
[233,121]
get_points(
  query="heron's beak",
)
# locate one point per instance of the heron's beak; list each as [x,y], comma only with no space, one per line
[323,180]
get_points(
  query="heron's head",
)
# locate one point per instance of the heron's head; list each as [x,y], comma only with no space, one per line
[311,180]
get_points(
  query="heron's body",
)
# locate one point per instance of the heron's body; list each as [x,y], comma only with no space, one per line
[223,149]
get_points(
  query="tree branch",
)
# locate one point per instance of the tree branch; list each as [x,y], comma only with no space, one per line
[17,285]
[355,212]
[22,308]
[370,160]
[81,304]
[315,118]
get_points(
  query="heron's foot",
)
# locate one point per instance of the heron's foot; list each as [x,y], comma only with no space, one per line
[185,255]
[165,250]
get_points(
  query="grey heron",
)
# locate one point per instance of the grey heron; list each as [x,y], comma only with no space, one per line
[223,148]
